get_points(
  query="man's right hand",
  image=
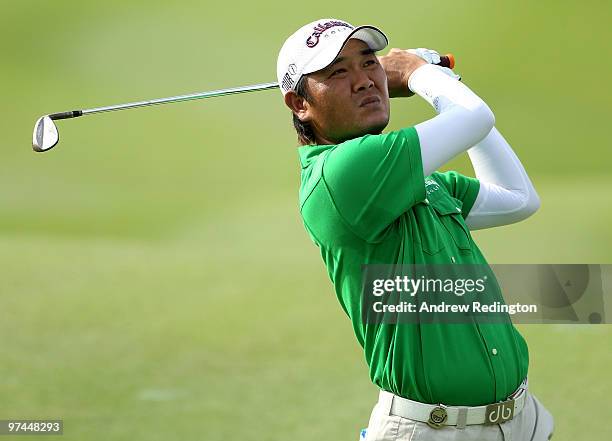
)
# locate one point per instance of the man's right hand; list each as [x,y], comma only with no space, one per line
[399,64]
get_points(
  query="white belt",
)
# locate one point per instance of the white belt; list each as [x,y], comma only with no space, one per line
[438,415]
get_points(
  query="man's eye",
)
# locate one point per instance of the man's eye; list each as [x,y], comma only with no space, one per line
[370,62]
[337,71]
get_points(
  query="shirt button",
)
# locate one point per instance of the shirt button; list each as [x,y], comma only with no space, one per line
[453,259]
[459,209]
[426,201]
[494,351]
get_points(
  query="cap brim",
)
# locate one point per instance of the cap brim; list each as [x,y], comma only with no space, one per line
[370,35]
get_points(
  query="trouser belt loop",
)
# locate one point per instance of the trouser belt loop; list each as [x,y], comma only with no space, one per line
[462,417]
[385,400]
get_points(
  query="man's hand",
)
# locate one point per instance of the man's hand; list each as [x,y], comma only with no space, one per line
[399,65]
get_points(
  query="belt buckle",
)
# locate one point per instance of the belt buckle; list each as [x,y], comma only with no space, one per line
[499,412]
[437,417]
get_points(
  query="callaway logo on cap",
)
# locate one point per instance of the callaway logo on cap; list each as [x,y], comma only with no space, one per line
[315,45]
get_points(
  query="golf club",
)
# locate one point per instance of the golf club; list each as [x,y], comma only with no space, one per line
[46,136]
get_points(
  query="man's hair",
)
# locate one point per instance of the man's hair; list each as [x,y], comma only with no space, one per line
[304,130]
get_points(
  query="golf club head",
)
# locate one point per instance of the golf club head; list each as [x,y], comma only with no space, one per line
[45,135]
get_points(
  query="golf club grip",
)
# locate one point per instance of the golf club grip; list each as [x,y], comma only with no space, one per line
[66,115]
[447,60]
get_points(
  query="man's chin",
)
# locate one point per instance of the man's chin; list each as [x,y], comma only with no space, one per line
[374,128]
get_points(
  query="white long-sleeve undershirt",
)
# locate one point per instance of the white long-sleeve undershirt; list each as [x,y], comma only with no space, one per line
[506,194]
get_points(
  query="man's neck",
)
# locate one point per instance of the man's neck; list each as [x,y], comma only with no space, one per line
[321,140]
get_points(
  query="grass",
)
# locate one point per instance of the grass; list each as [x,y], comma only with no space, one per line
[156,280]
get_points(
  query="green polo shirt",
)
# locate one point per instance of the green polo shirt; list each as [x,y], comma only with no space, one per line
[366,201]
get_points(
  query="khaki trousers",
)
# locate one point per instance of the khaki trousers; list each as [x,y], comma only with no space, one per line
[534,423]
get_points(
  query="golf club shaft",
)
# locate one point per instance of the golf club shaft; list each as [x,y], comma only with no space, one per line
[445,60]
[172,99]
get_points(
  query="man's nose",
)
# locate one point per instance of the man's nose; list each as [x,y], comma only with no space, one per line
[361,81]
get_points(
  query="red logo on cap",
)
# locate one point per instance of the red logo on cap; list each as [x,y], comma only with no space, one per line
[313,40]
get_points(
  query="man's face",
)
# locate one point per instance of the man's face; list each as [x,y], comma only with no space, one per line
[349,98]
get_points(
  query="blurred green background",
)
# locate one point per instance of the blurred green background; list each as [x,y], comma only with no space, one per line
[156,281]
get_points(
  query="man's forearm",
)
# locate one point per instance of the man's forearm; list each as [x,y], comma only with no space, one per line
[464,119]
[506,193]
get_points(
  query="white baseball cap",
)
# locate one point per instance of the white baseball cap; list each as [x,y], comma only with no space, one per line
[315,45]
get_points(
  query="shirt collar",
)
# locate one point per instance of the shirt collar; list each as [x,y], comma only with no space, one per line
[309,153]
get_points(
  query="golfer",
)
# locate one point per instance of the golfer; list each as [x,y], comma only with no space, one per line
[368,197]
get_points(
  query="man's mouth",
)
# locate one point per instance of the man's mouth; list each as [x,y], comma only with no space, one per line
[368,101]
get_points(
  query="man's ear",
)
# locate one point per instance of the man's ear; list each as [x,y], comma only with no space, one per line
[298,105]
